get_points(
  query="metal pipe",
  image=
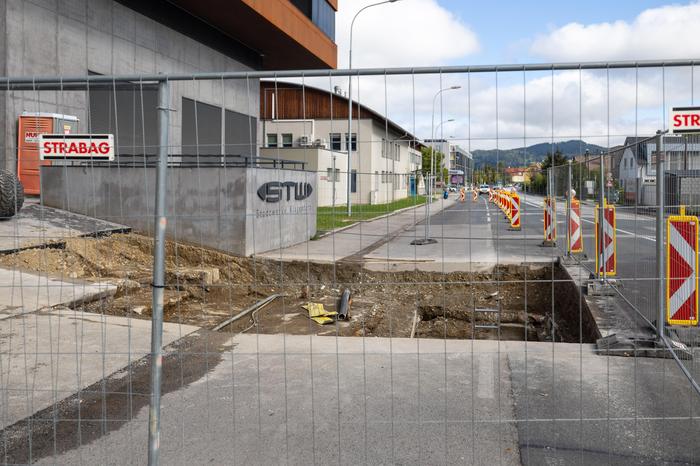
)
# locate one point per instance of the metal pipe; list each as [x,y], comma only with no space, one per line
[601,222]
[570,199]
[158,273]
[258,305]
[34,80]
[661,289]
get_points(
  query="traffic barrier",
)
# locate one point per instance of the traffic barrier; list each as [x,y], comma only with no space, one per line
[490,195]
[550,220]
[509,205]
[681,269]
[475,195]
[609,245]
[515,211]
[575,229]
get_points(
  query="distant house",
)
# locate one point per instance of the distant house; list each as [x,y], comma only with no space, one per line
[681,167]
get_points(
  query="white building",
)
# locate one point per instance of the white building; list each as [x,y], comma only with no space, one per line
[310,125]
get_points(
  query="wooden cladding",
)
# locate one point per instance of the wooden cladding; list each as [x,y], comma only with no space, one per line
[296,103]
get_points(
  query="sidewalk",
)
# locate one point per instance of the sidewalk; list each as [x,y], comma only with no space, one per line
[359,239]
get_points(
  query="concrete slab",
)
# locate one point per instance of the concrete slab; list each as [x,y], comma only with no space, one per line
[23,292]
[37,225]
[49,355]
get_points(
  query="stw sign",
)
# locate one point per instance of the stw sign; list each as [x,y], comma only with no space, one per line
[681,270]
[76,147]
[685,120]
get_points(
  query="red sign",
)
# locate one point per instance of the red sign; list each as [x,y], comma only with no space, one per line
[76,147]
[606,247]
[550,221]
[515,212]
[685,120]
[575,238]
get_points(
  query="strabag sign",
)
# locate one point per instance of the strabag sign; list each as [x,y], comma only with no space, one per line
[76,147]
[685,120]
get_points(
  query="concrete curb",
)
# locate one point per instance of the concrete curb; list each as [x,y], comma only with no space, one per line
[346,227]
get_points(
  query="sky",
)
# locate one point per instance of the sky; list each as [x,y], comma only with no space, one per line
[511,109]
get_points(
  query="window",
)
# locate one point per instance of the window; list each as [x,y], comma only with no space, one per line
[336,141]
[353,181]
[287,140]
[271,140]
[354,141]
[201,130]
[240,134]
[331,175]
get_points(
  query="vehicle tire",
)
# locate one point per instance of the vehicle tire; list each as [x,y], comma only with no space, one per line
[11,194]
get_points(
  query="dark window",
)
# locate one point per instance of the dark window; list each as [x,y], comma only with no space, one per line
[240,134]
[287,140]
[353,181]
[323,16]
[201,130]
[271,140]
[354,141]
[335,141]
[130,115]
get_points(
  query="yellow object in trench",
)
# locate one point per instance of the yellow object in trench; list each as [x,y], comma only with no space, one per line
[318,314]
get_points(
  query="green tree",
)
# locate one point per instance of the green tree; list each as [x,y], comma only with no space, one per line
[555,161]
[437,159]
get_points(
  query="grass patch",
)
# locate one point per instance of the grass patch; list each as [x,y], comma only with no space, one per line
[329,218]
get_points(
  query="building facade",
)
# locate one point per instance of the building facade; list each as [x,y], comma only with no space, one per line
[310,125]
[132,37]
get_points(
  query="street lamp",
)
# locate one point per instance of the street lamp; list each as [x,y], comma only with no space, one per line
[427,239]
[349,138]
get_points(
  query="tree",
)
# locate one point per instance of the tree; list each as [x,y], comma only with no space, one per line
[559,159]
[437,159]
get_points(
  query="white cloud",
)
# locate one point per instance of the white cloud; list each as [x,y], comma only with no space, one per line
[666,32]
[405,33]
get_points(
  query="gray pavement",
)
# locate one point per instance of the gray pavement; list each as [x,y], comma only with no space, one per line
[276,399]
[23,292]
[37,225]
[49,355]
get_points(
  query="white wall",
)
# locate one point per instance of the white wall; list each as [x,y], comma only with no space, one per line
[318,161]
[367,160]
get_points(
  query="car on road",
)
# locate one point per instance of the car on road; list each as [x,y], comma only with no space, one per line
[484,189]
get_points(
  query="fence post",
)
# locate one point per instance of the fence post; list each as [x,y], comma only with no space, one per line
[568,210]
[601,221]
[660,232]
[158,274]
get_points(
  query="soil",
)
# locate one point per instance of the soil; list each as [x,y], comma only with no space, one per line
[204,287]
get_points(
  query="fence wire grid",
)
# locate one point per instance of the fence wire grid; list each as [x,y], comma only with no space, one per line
[311,296]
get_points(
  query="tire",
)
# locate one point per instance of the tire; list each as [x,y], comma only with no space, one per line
[11,194]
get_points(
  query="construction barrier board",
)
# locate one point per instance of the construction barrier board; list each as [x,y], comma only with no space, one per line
[550,220]
[610,246]
[681,270]
[575,228]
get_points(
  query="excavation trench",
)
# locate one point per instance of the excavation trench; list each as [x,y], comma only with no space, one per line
[206,287]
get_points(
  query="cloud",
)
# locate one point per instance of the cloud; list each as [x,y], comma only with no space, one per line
[405,33]
[667,32]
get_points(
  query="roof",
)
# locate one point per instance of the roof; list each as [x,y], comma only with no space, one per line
[294,102]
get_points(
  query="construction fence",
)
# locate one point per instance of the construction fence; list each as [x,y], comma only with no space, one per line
[237,277]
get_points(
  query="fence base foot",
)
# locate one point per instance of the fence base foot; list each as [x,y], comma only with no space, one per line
[514,229]
[422,241]
[600,288]
[611,345]
[548,244]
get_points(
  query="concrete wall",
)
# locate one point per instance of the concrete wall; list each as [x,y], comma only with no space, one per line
[70,37]
[319,161]
[276,225]
[213,207]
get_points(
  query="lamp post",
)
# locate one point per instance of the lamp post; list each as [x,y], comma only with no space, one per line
[433,169]
[349,138]
[427,239]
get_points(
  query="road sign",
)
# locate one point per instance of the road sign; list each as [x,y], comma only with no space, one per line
[685,120]
[608,245]
[575,232]
[76,147]
[681,270]
[515,211]
[550,220]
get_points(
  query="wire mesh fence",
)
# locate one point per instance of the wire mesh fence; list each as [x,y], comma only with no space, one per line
[247,281]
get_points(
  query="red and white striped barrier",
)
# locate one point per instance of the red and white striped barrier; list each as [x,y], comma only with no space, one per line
[681,269]
[607,244]
[575,229]
[515,211]
[550,220]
